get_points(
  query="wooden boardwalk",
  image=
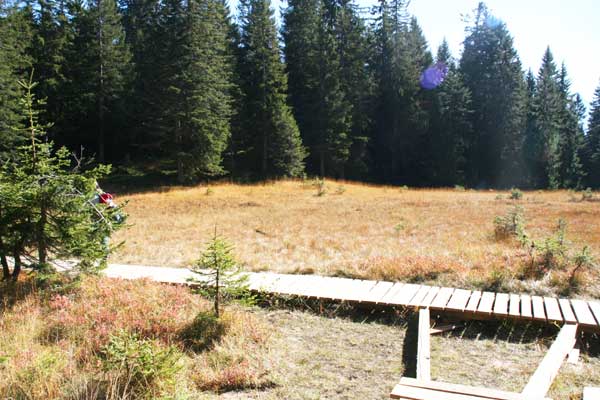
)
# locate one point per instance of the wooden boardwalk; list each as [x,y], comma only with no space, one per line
[475,304]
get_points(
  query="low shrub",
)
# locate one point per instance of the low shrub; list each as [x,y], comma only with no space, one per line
[516,194]
[139,368]
[510,225]
[587,195]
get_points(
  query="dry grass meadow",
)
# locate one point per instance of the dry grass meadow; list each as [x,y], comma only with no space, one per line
[346,229]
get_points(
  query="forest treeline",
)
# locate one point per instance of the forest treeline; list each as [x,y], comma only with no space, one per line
[192,88]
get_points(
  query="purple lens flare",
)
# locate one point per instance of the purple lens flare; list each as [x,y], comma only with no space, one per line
[433,76]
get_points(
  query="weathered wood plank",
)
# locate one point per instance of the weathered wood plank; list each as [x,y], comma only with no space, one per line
[459,300]
[426,302]
[526,306]
[552,309]
[583,313]
[377,292]
[442,298]
[538,308]
[423,346]
[595,307]
[419,296]
[514,306]
[567,311]
[542,378]
[416,393]
[404,296]
[473,301]
[501,304]
[444,387]
[487,302]
[392,292]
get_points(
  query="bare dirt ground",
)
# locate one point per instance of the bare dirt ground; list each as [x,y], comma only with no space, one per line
[317,357]
[370,232]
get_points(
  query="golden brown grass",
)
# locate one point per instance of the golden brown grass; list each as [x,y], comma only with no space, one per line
[442,235]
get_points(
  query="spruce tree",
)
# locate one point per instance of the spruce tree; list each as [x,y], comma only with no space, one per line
[451,129]
[53,36]
[202,86]
[271,136]
[592,142]
[548,111]
[572,135]
[47,212]
[15,38]
[100,69]
[492,72]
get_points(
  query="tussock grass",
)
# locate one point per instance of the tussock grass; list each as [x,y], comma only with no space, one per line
[377,232]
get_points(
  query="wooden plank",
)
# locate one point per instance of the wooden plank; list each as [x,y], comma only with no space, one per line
[404,296]
[424,347]
[442,298]
[486,303]
[416,393]
[444,328]
[459,300]
[595,307]
[591,393]
[552,309]
[419,296]
[526,306]
[538,308]
[392,292]
[501,304]
[481,393]
[583,313]
[567,311]
[377,292]
[514,306]
[426,302]
[407,392]
[573,357]
[542,378]
[357,289]
[473,301]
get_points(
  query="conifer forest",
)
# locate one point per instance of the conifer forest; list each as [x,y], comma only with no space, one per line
[200,91]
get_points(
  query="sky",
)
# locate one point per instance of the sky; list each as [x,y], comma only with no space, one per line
[570,27]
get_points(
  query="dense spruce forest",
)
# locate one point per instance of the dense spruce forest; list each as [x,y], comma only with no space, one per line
[197,91]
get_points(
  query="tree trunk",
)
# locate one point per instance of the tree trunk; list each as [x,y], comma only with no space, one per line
[322,164]
[5,270]
[17,269]
[101,139]
[217,300]
[41,236]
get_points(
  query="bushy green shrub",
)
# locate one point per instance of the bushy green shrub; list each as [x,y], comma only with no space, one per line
[510,225]
[459,188]
[587,195]
[139,368]
[516,194]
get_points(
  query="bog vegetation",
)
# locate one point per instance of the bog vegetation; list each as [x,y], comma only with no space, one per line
[460,238]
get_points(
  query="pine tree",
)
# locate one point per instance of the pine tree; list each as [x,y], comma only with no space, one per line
[532,145]
[202,86]
[451,128]
[53,37]
[547,109]
[15,37]
[391,109]
[328,82]
[100,69]
[47,210]
[492,72]
[271,136]
[572,134]
[592,143]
